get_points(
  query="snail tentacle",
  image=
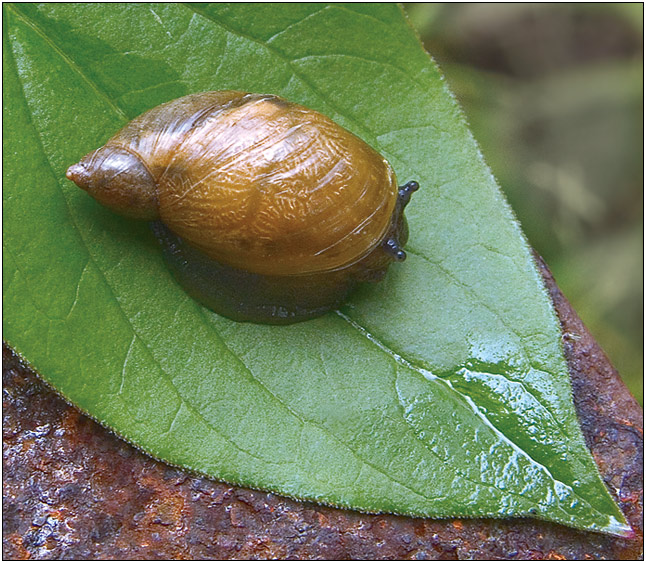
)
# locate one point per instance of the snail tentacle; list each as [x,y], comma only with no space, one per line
[392,247]
[406,191]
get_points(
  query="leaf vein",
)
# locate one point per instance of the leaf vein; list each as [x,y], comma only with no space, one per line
[125,364]
[70,62]
[294,24]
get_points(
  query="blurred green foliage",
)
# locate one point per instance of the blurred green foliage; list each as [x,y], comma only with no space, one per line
[554,96]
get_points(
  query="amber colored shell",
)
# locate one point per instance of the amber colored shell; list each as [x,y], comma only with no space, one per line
[263,184]
[266,211]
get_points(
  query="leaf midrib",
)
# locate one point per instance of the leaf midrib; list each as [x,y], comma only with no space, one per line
[428,376]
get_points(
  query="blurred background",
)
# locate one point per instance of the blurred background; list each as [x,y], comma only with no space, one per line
[554,95]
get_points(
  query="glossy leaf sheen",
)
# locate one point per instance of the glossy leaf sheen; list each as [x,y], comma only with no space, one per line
[442,391]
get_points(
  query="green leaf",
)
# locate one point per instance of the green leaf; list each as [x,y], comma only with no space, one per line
[442,391]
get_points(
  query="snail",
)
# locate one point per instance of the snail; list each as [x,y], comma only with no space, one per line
[266,211]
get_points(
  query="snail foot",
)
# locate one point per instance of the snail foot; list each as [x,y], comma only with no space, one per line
[246,296]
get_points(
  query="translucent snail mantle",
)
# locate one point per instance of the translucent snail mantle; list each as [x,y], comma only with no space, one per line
[267,211]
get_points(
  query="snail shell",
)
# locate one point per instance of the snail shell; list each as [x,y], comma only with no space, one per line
[267,211]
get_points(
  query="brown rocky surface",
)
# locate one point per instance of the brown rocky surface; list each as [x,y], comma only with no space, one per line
[72,490]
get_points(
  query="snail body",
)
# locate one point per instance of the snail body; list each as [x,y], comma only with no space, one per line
[267,211]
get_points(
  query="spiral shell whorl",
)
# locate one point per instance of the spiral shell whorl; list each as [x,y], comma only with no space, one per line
[119,179]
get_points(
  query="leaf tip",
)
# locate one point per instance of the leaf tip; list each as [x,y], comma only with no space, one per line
[619,528]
